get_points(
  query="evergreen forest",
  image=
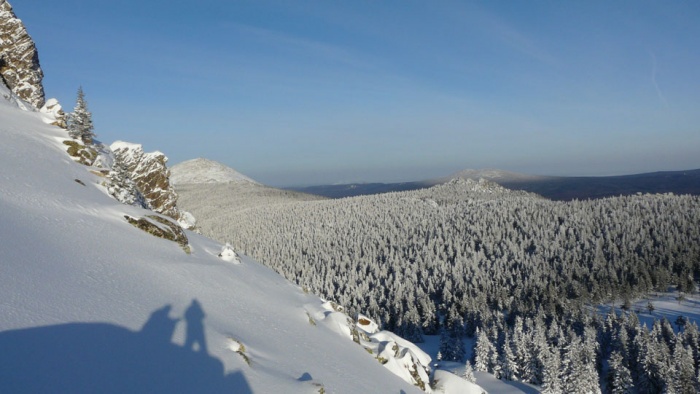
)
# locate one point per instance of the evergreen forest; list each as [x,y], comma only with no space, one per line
[519,273]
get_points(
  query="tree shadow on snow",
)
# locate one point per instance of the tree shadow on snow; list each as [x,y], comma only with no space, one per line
[106,358]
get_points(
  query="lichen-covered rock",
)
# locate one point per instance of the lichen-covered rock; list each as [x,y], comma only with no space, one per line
[161,228]
[83,154]
[151,176]
[19,59]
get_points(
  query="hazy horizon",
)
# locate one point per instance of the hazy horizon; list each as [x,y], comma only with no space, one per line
[337,92]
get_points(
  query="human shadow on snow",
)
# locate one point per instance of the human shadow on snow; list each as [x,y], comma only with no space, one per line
[106,358]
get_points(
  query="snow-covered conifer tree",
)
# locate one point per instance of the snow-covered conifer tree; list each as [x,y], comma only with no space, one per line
[123,188]
[451,346]
[469,372]
[619,376]
[80,121]
[483,350]
[685,379]
[551,384]
[508,361]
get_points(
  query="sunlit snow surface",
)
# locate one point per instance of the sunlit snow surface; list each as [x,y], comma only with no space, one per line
[205,171]
[669,305]
[88,303]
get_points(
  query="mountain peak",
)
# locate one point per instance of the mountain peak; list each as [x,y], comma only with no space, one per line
[205,171]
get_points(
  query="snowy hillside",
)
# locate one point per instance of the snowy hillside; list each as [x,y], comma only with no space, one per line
[212,189]
[205,171]
[90,303]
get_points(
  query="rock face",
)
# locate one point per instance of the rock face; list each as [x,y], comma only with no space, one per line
[161,228]
[19,59]
[151,176]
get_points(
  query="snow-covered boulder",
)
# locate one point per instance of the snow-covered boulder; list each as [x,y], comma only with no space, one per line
[228,254]
[19,59]
[400,356]
[53,113]
[367,325]
[188,221]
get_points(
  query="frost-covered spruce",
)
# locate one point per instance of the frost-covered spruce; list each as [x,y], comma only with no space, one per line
[123,188]
[468,374]
[80,120]
[468,255]
[465,244]
[619,376]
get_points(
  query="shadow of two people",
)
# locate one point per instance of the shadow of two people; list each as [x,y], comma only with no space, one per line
[160,326]
[107,358]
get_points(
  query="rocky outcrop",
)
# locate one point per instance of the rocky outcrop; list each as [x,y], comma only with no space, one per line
[83,154]
[151,176]
[161,228]
[19,59]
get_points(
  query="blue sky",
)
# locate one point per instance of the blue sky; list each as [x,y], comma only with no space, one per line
[310,92]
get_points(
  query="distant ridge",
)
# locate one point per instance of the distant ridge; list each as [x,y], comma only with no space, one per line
[496,175]
[205,171]
[552,187]
[570,188]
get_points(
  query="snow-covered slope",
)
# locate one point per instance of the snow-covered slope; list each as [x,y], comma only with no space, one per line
[89,303]
[205,171]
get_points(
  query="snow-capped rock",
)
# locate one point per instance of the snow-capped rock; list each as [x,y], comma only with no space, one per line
[187,220]
[53,113]
[19,59]
[230,255]
[152,177]
[403,358]
[205,171]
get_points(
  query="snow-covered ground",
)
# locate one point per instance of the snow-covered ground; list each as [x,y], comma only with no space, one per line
[667,305]
[89,303]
